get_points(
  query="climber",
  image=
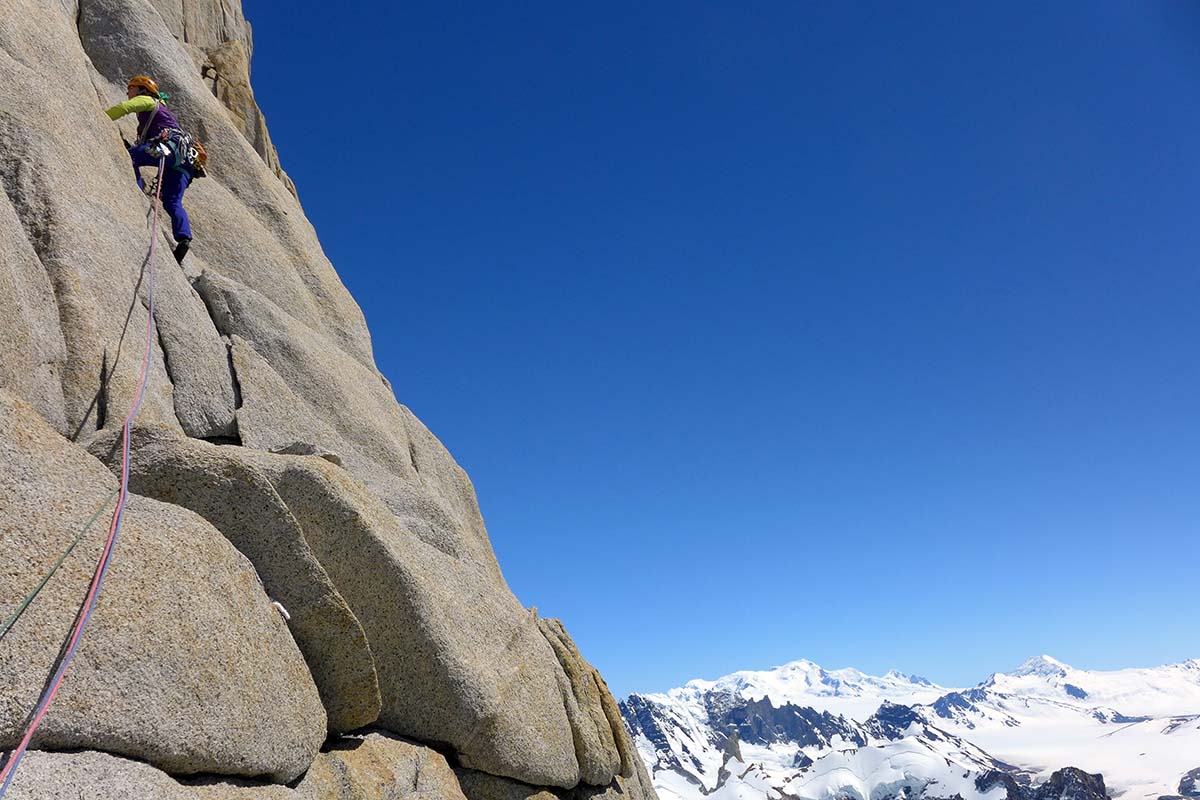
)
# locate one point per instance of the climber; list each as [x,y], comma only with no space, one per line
[159,135]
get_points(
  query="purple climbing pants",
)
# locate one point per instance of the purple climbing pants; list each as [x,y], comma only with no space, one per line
[173,183]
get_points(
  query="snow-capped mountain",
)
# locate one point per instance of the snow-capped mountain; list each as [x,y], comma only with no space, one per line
[787,708]
[1044,729]
[803,683]
[1157,692]
[1138,727]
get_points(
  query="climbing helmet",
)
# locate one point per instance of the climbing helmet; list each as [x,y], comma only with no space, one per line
[145,82]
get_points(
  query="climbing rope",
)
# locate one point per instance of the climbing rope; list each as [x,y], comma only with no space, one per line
[114,528]
[29,598]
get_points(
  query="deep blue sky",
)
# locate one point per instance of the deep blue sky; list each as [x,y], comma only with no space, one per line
[863,333]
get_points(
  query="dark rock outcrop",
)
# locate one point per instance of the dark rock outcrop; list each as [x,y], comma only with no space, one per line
[1069,783]
[1189,784]
[761,722]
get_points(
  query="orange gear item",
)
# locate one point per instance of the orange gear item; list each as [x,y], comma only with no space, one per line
[200,161]
[145,82]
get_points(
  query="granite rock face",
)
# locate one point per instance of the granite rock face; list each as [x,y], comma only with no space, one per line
[459,660]
[67,180]
[295,387]
[602,743]
[452,655]
[220,42]
[185,664]
[225,486]
[370,766]
[482,786]
[95,775]
[38,354]
[270,461]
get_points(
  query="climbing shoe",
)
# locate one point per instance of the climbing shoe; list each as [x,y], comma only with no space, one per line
[181,249]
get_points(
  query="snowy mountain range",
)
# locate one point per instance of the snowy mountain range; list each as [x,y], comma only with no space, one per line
[1045,731]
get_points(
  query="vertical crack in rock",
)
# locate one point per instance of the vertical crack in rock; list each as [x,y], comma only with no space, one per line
[237,384]
[210,424]
[418,762]
[203,291]
[630,760]
[32,207]
[166,360]
[199,286]
[101,401]
[32,203]
[571,705]
[57,367]
[79,273]
[33,219]
[596,751]
[198,362]
[207,74]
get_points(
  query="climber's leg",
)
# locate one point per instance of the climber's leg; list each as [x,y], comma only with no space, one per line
[174,182]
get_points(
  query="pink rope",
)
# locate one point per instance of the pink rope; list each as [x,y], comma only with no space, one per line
[114,528]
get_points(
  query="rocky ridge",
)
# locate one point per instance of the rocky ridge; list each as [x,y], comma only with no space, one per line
[271,462]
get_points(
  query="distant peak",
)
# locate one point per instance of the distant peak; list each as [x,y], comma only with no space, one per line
[1042,665]
[916,680]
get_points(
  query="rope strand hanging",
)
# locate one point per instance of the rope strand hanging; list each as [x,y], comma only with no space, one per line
[114,529]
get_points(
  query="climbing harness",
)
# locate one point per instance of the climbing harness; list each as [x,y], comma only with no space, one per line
[181,151]
[114,528]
